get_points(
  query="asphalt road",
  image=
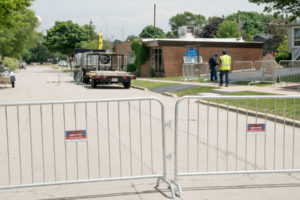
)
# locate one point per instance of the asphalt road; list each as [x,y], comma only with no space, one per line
[104,156]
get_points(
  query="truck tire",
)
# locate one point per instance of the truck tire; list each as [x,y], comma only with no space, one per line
[13,84]
[127,85]
[93,83]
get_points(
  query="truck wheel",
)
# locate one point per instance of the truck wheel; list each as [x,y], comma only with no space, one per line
[86,80]
[13,84]
[93,83]
[126,85]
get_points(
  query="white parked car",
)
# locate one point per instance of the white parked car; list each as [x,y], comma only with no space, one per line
[62,63]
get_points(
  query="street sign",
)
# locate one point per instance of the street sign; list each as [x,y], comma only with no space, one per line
[76,135]
[256,128]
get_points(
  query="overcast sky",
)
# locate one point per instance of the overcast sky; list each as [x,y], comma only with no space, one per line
[119,18]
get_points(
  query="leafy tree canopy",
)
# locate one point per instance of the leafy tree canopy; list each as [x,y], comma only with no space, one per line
[211,28]
[148,32]
[90,29]
[291,7]
[64,37]
[186,19]
[10,10]
[15,39]
[228,29]
[131,37]
[253,23]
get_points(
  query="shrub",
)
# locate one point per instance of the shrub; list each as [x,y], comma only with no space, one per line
[283,55]
[152,72]
[142,54]
[12,63]
[131,68]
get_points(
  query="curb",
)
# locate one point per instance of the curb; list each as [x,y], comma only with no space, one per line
[139,88]
[251,113]
[169,94]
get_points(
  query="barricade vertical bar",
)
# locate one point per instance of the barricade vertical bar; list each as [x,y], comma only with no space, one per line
[218,106]
[246,137]
[188,135]
[274,162]
[141,140]
[19,142]
[108,136]
[87,141]
[31,154]
[227,125]
[255,147]
[265,137]
[120,152]
[129,117]
[294,116]
[236,135]
[7,146]
[198,141]
[97,126]
[207,136]
[54,150]
[283,141]
[151,138]
[76,152]
[64,138]
[42,140]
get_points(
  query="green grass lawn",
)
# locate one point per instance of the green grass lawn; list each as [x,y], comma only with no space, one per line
[150,84]
[177,78]
[194,91]
[283,108]
[294,78]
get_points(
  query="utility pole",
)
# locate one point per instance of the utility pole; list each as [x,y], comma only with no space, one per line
[240,27]
[154,36]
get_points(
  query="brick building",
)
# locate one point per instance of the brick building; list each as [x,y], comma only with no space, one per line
[166,55]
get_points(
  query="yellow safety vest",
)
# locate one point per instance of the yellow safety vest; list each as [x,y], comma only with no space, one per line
[226,62]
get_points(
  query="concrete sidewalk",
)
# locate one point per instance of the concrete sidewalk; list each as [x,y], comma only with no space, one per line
[273,89]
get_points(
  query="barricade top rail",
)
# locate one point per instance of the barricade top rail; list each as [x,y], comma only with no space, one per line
[239,97]
[81,101]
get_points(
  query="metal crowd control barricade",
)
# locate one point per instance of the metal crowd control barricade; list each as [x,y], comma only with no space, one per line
[242,71]
[236,135]
[66,142]
[266,71]
[288,72]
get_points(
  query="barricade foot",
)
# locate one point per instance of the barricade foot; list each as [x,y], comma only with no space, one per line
[171,188]
[178,188]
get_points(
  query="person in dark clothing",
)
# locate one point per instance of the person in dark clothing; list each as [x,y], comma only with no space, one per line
[213,67]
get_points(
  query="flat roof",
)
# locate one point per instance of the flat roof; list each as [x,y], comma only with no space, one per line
[202,42]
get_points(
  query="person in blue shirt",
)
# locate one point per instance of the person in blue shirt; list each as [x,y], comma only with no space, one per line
[213,67]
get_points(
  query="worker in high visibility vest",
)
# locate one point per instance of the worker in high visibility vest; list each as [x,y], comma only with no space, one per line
[225,63]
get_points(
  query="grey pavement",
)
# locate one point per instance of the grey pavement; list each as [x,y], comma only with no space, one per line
[45,84]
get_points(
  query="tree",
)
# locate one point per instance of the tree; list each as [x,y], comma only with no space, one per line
[211,28]
[131,37]
[90,29]
[281,7]
[228,29]
[186,19]
[16,39]
[148,32]
[10,11]
[253,23]
[64,37]
[116,41]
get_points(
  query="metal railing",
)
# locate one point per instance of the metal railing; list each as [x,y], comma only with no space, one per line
[236,135]
[113,139]
[289,72]
[242,71]
[194,71]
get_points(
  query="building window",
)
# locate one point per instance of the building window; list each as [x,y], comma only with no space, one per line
[157,61]
[131,57]
[296,37]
